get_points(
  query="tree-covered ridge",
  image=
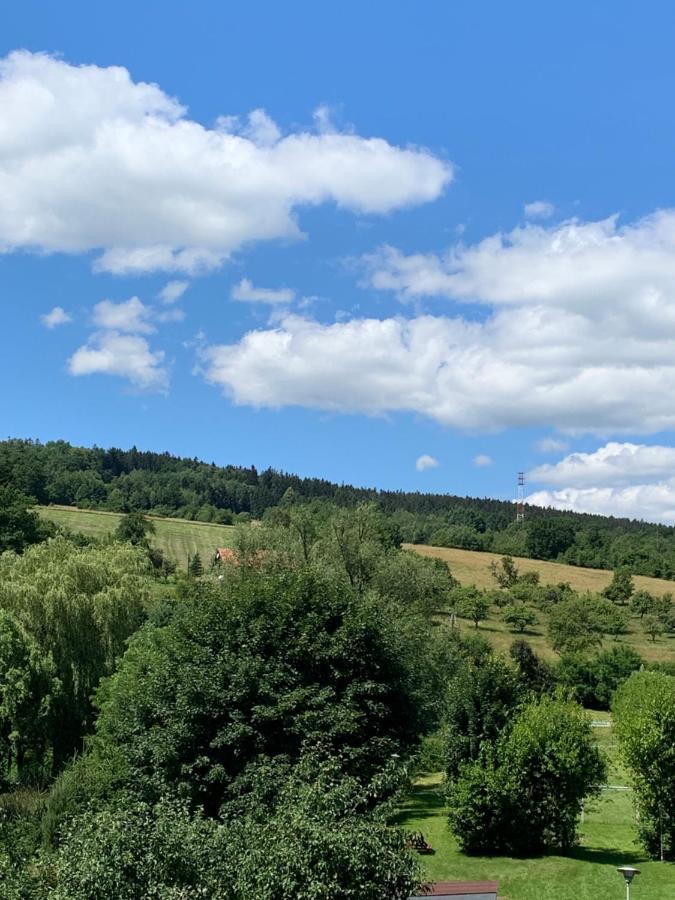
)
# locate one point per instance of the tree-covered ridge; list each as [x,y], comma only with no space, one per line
[166,485]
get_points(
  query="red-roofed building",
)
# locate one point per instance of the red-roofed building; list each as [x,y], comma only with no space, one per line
[226,554]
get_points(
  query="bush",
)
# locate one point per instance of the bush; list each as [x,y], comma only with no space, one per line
[525,792]
[318,842]
[480,700]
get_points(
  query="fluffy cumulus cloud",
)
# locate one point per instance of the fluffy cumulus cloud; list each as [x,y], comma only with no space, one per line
[173,291]
[245,291]
[117,347]
[130,316]
[92,161]
[586,267]
[551,445]
[539,209]
[482,460]
[575,330]
[425,461]
[614,464]
[619,479]
[125,355]
[55,317]
[529,367]
[650,502]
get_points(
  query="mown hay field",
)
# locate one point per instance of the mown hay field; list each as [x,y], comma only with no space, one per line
[473,567]
[178,539]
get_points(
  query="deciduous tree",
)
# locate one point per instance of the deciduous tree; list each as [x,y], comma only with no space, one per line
[644,713]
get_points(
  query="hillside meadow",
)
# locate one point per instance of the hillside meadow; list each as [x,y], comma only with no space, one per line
[178,539]
[473,567]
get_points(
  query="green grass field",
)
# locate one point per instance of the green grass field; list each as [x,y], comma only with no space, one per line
[177,538]
[472,567]
[588,873]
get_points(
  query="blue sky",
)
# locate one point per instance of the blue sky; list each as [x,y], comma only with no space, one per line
[450,234]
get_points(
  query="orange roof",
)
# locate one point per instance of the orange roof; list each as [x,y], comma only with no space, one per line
[226,553]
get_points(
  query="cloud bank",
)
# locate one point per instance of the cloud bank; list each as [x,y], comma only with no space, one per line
[579,336]
[92,161]
[618,479]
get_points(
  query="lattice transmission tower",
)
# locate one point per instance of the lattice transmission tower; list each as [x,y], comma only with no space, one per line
[520,498]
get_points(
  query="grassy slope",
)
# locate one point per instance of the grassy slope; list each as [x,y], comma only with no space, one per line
[589,873]
[177,538]
[472,567]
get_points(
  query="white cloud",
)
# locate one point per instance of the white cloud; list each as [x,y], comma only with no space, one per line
[539,209]
[57,316]
[247,292]
[592,268]
[520,368]
[651,502]
[91,160]
[577,333]
[126,355]
[170,315]
[551,445]
[614,464]
[425,462]
[482,460]
[173,291]
[130,316]
[618,479]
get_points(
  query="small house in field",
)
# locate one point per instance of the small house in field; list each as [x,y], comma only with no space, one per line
[459,890]
[228,555]
[225,554]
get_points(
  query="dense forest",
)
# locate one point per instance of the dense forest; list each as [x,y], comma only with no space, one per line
[166,485]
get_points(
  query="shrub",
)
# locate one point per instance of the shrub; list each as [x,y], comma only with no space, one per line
[525,792]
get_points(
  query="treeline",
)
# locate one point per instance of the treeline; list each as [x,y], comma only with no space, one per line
[166,485]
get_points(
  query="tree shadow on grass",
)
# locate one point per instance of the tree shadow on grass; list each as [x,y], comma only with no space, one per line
[609,856]
[425,802]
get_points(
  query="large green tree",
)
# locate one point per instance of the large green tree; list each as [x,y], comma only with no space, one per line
[620,589]
[644,713]
[319,840]
[526,790]
[19,525]
[576,624]
[481,698]
[79,606]
[28,689]
[263,666]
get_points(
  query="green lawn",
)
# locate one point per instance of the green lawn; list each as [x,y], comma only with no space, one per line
[588,873]
[177,538]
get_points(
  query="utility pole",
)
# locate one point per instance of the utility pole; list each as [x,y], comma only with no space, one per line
[520,498]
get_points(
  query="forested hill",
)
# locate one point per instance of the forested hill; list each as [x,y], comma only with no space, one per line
[166,485]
